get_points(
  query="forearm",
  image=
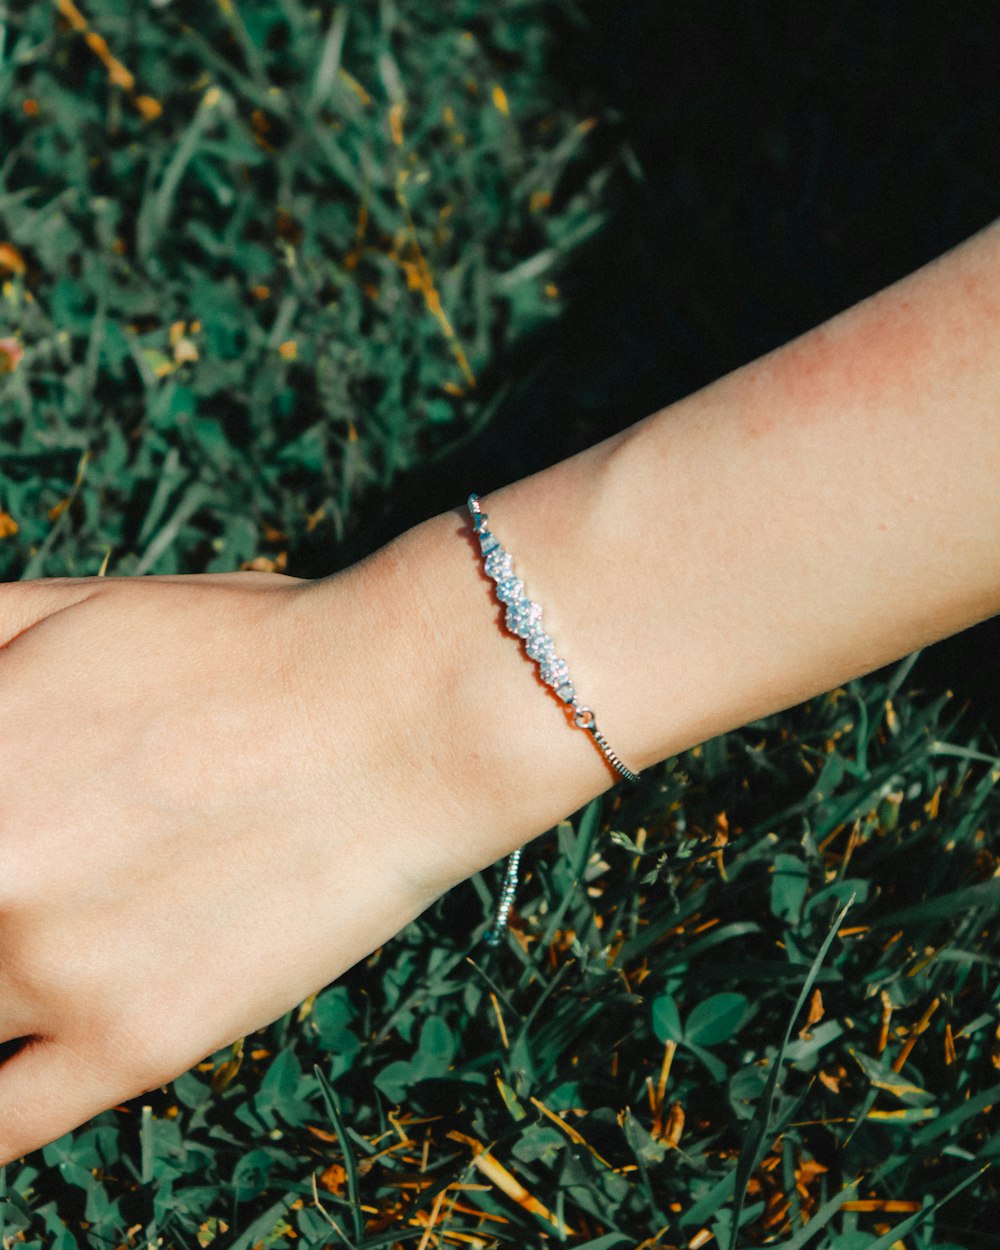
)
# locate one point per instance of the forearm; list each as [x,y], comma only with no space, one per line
[811,517]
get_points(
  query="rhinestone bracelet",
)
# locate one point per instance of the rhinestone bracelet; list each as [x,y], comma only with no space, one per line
[524,618]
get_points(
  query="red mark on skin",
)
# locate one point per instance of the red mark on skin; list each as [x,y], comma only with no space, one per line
[762,425]
[863,359]
[914,341]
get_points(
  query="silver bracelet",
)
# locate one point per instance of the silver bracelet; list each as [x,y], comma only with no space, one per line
[524,618]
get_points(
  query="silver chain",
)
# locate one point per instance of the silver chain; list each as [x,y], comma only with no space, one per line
[524,619]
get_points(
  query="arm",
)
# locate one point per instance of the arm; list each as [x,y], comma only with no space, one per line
[813,516]
[186,758]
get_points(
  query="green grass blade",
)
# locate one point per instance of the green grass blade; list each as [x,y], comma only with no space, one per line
[757,1132]
[350,1163]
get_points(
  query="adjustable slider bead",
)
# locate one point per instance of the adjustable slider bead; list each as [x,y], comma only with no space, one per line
[583,717]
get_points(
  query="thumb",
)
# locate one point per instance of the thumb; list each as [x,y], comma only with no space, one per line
[24,604]
[46,1089]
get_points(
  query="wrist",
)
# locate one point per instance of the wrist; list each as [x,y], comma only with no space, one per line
[388,716]
[500,744]
[455,723]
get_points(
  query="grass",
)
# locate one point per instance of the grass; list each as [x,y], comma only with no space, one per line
[262,280]
[257,259]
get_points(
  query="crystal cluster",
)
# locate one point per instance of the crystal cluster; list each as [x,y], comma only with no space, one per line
[523,616]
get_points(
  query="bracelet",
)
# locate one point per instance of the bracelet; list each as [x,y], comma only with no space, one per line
[524,619]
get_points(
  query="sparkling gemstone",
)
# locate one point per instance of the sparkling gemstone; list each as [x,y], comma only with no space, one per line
[566,691]
[532,623]
[535,627]
[554,671]
[498,564]
[510,589]
[540,646]
[487,542]
[521,617]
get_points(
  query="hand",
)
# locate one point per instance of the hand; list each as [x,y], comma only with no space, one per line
[197,825]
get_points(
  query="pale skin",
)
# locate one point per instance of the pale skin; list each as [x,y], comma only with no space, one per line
[220,792]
